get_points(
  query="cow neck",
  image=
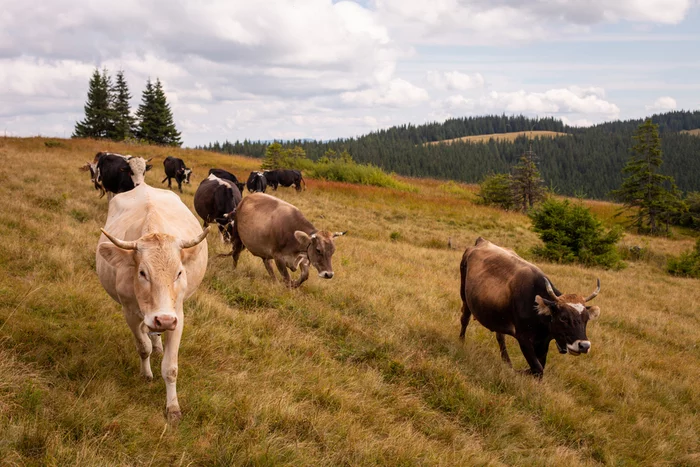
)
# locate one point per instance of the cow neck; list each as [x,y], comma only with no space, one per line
[153,222]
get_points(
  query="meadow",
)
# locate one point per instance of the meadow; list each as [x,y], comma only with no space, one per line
[364,369]
[510,136]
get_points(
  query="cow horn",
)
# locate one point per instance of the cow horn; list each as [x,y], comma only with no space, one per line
[149,160]
[339,234]
[195,241]
[593,295]
[549,289]
[124,245]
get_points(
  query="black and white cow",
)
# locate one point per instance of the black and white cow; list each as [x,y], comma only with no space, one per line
[284,177]
[215,201]
[113,173]
[256,182]
[221,173]
[175,168]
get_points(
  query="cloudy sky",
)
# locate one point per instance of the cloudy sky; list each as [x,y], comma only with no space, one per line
[235,69]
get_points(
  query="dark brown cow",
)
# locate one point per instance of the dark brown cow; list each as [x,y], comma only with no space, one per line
[273,229]
[508,295]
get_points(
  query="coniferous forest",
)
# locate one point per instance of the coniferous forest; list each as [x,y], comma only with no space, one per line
[587,161]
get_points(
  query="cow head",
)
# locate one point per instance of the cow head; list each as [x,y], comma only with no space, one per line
[225,224]
[138,166]
[568,315]
[156,262]
[92,168]
[188,174]
[319,249]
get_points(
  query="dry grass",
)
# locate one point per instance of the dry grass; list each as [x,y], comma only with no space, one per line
[694,132]
[365,369]
[502,136]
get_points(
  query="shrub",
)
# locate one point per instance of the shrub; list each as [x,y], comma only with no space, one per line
[571,233]
[53,144]
[687,264]
[351,172]
[496,190]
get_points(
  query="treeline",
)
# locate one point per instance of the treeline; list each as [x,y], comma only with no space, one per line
[108,113]
[587,162]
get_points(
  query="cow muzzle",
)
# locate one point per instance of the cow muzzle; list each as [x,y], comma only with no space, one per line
[578,347]
[326,274]
[161,322]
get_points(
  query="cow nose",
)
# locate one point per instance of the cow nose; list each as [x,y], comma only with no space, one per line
[327,274]
[165,322]
[584,346]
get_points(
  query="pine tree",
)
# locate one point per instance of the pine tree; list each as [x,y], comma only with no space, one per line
[98,109]
[526,182]
[273,157]
[652,197]
[155,118]
[124,122]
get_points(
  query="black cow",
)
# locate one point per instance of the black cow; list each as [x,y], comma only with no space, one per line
[256,182]
[221,173]
[508,295]
[215,201]
[175,168]
[284,177]
[114,173]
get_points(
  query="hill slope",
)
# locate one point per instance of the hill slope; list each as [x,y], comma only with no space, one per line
[510,136]
[364,369]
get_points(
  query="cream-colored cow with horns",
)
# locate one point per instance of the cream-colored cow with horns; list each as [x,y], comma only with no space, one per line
[151,257]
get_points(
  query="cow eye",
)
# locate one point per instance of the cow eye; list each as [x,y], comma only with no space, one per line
[142,273]
[318,250]
[178,275]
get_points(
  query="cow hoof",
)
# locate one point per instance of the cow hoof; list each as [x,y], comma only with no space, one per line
[529,372]
[147,378]
[174,416]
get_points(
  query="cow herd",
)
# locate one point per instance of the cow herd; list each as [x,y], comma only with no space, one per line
[153,254]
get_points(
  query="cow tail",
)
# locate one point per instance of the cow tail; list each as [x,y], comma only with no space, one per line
[463,277]
[303,182]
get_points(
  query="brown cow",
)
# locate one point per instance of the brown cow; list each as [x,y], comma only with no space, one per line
[273,229]
[508,295]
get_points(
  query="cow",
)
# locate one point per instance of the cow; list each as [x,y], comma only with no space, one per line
[150,258]
[256,182]
[285,178]
[221,173]
[215,201]
[509,295]
[175,168]
[273,229]
[113,173]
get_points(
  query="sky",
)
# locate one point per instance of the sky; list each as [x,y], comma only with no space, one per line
[325,69]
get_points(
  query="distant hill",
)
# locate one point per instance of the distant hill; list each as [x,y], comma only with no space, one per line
[695,132]
[587,164]
[511,136]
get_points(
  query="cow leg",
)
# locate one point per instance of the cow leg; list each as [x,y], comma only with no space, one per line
[282,268]
[501,338]
[170,183]
[304,266]
[163,181]
[144,345]
[466,316]
[157,344]
[541,349]
[236,248]
[268,267]
[179,185]
[168,369]
[528,349]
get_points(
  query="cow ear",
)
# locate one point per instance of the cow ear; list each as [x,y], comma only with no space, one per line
[148,167]
[221,220]
[303,238]
[544,306]
[115,256]
[593,312]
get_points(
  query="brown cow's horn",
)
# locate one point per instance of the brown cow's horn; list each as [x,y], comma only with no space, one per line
[124,245]
[339,234]
[195,241]
[549,289]
[593,295]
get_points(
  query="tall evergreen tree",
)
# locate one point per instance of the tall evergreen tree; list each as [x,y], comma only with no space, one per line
[273,157]
[98,109]
[652,197]
[124,122]
[526,182]
[156,124]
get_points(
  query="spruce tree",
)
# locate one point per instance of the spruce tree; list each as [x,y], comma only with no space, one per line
[124,122]
[650,198]
[155,118]
[273,157]
[526,182]
[98,109]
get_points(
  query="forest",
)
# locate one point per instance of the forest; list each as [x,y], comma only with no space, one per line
[586,162]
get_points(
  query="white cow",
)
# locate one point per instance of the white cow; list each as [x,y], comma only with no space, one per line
[151,257]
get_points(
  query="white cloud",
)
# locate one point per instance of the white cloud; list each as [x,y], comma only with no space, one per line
[553,101]
[662,104]
[455,80]
[397,93]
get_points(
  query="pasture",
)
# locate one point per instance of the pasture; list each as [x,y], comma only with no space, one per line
[511,136]
[363,369]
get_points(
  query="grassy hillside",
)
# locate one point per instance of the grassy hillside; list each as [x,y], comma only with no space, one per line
[695,132]
[364,369]
[502,136]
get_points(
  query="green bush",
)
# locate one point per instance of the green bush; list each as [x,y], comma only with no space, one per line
[571,233]
[497,190]
[687,264]
[351,172]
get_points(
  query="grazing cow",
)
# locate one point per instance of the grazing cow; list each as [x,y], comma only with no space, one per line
[215,201]
[114,173]
[508,295]
[175,168]
[221,173]
[273,229]
[285,178]
[256,182]
[152,256]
